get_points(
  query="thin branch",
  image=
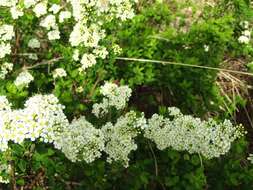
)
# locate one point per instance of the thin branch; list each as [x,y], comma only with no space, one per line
[13,177]
[100,74]
[200,159]
[155,160]
[49,62]
[25,54]
[248,116]
[159,38]
[17,45]
[184,64]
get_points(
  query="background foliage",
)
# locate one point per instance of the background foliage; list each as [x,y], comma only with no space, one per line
[171,30]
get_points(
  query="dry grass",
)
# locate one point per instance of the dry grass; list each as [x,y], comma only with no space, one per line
[234,85]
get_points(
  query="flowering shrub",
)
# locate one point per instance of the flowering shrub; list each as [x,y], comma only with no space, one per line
[187,133]
[61,122]
[88,19]
[81,141]
[43,119]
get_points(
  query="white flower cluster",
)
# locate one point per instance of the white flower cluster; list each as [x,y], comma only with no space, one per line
[47,15]
[117,49]
[42,118]
[49,22]
[206,48]
[34,43]
[4,104]
[64,15]
[186,133]
[250,158]
[119,138]
[114,96]
[8,3]
[246,34]
[59,73]
[89,18]
[6,35]
[4,172]
[30,3]
[87,61]
[23,79]
[88,30]
[5,69]
[16,12]
[81,141]
[49,116]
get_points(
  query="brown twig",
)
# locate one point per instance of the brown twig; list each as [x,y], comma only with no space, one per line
[12,175]
[17,45]
[185,65]
[38,180]
[95,85]
[49,62]
[155,160]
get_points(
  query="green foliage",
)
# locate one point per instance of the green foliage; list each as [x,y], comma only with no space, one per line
[151,34]
[232,172]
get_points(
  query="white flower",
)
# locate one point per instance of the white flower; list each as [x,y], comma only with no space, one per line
[48,22]
[103,5]
[64,15]
[185,133]
[81,141]
[5,69]
[117,49]
[50,119]
[76,55]
[23,79]
[8,3]
[16,12]
[4,105]
[245,24]
[40,9]
[59,73]
[119,138]
[101,109]
[29,3]
[244,39]
[87,61]
[250,158]
[101,52]
[42,118]
[55,8]
[95,35]
[6,169]
[34,43]
[78,35]
[206,48]
[54,34]
[80,89]
[5,49]
[115,96]
[246,33]
[6,32]
[2,180]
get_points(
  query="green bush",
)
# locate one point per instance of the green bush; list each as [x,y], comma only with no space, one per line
[183,43]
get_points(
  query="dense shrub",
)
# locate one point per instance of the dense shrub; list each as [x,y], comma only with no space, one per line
[80,108]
